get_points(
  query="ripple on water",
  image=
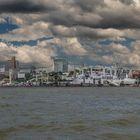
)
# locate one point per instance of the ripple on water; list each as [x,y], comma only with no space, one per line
[124,122]
[78,126]
[118,136]
[8,106]
[31,126]
[5,132]
[42,127]
[6,97]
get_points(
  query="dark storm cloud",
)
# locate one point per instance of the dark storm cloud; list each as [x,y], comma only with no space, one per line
[128,2]
[120,14]
[22,6]
[84,32]
[119,22]
[89,5]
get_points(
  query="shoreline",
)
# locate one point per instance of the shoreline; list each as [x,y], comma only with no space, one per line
[73,86]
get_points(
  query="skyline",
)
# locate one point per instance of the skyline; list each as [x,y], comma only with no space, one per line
[89,31]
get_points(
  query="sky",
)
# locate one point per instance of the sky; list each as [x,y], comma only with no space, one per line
[83,31]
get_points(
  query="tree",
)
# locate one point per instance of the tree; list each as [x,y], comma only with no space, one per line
[28,76]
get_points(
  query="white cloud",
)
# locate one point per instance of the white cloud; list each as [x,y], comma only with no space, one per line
[2,20]
[27,54]
[73,47]
[27,32]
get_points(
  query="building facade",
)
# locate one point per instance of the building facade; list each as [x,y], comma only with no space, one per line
[60,65]
[12,66]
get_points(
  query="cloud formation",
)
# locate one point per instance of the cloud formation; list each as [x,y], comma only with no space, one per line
[26,54]
[94,14]
[28,32]
[77,26]
[21,6]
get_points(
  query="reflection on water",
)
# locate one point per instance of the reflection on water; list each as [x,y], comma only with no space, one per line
[69,114]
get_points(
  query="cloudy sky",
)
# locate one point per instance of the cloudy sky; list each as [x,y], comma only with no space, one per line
[84,31]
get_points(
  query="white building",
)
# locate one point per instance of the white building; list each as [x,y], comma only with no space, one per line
[2,69]
[21,75]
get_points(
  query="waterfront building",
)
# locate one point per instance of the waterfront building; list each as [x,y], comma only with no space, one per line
[12,63]
[43,69]
[12,67]
[25,70]
[71,67]
[2,72]
[2,69]
[135,73]
[100,74]
[60,65]
[21,76]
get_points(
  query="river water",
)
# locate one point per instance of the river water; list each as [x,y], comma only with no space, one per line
[70,113]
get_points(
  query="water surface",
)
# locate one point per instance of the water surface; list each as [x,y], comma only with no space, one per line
[70,113]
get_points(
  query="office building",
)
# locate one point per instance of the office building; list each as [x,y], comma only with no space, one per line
[60,65]
[12,66]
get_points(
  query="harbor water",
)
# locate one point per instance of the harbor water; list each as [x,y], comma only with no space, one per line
[90,113]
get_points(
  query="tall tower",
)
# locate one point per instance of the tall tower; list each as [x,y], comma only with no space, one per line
[12,65]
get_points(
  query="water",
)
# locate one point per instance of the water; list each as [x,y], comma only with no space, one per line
[70,113]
